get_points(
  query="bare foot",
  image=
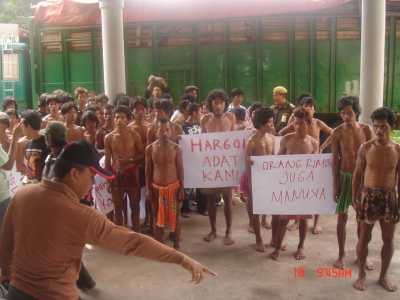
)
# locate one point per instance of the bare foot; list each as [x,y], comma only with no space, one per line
[387,285]
[359,284]
[293,226]
[317,230]
[210,237]
[260,247]
[369,266]
[250,229]
[274,255]
[339,264]
[176,246]
[228,240]
[299,254]
[283,247]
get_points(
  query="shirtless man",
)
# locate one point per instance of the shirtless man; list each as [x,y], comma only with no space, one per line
[53,104]
[261,143]
[106,128]
[218,120]
[163,109]
[90,124]
[70,113]
[314,128]
[31,151]
[345,142]
[164,182]
[123,152]
[141,126]
[298,142]
[139,122]
[81,96]
[375,180]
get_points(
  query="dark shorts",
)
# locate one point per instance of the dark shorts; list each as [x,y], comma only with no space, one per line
[378,204]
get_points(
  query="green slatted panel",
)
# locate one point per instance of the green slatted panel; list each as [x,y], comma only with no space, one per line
[347,68]
[81,69]
[176,67]
[301,68]
[210,68]
[275,67]
[242,70]
[322,75]
[396,81]
[139,67]
[53,72]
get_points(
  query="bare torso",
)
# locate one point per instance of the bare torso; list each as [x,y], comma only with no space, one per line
[349,140]
[210,123]
[123,148]
[141,129]
[51,118]
[292,144]
[313,128]
[259,145]
[164,158]
[381,164]
[74,133]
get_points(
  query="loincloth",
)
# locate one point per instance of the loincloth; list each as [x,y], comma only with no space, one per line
[142,176]
[128,179]
[167,205]
[378,204]
[345,197]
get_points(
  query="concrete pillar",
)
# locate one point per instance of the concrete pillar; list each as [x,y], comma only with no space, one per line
[112,32]
[372,56]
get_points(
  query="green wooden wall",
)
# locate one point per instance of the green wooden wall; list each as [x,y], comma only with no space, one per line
[327,67]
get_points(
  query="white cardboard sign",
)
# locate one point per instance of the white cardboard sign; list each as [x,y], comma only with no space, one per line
[292,184]
[214,160]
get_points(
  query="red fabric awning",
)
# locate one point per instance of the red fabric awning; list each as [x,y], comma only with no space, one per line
[80,12]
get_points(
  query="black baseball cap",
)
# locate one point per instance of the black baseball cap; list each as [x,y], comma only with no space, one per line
[84,153]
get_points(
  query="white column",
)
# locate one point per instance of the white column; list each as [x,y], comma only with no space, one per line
[372,56]
[112,29]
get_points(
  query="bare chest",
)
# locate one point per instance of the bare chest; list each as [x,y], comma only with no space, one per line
[218,125]
[163,155]
[299,146]
[382,158]
[122,144]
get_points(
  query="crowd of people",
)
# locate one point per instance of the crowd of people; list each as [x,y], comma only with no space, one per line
[57,149]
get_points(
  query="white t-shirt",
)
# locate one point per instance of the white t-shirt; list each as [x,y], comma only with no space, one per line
[4,183]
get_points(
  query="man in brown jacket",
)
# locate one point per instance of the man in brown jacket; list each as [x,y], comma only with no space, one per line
[46,228]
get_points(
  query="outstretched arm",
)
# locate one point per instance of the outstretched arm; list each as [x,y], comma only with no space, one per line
[325,128]
[102,232]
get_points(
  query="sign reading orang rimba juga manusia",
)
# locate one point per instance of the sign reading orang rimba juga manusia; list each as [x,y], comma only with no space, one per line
[292,184]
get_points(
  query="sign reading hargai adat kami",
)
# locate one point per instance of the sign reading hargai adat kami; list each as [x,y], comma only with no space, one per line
[213,160]
[292,184]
